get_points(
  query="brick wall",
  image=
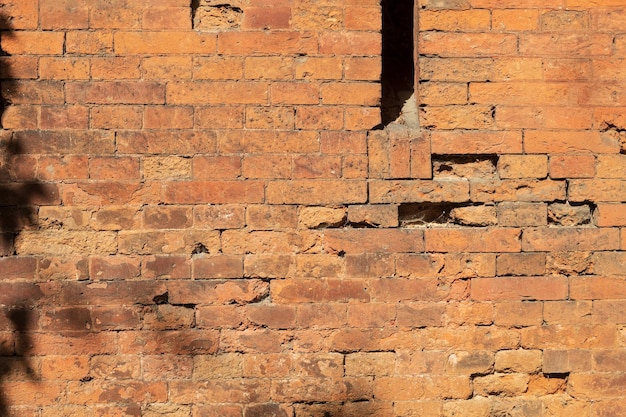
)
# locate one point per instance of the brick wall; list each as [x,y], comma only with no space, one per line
[200,214]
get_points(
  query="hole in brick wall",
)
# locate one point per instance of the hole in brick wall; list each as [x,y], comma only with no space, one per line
[461,214]
[570,214]
[161,298]
[424,213]
[616,133]
[205,15]
[556,375]
[466,166]
[398,64]
[199,248]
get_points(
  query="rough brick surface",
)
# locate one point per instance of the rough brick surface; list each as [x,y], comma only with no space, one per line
[204,211]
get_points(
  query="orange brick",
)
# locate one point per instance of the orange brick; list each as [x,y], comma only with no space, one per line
[166,18]
[457,117]
[473,240]
[64,14]
[107,15]
[268,68]
[109,168]
[259,217]
[111,117]
[362,18]
[22,67]
[219,217]
[217,93]
[218,68]
[486,142]
[168,117]
[564,20]
[33,43]
[129,43]
[569,239]
[467,45]
[92,43]
[214,192]
[214,167]
[367,94]
[218,117]
[319,68]
[64,68]
[572,166]
[69,167]
[319,118]
[309,290]
[269,141]
[597,288]
[442,94]
[350,43]
[272,316]
[523,93]
[523,166]
[64,117]
[536,141]
[294,93]
[267,166]
[20,117]
[33,92]
[217,266]
[596,190]
[567,69]
[316,166]
[456,69]
[25,14]
[266,18]
[362,69]
[360,118]
[606,20]
[167,67]
[515,19]
[316,191]
[564,44]
[250,43]
[115,68]
[539,117]
[478,20]
[610,215]
[511,69]
[518,314]
[116,92]
[270,117]
[519,288]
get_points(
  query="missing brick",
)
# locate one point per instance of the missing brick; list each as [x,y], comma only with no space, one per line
[568,214]
[416,214]
[461,214]
[398,103]
[613,132]
[199,248]
[465,166]
[206,15]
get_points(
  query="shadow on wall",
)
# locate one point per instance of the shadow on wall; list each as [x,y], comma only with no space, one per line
[18,193]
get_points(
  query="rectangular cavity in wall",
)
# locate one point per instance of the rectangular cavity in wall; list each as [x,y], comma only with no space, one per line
[398,63]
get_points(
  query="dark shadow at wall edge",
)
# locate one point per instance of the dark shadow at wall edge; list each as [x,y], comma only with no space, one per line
[398,63]
[18,195]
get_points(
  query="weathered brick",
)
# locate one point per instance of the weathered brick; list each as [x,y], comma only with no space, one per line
[413,191]
[519,288]
[315,191]
[518,314]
